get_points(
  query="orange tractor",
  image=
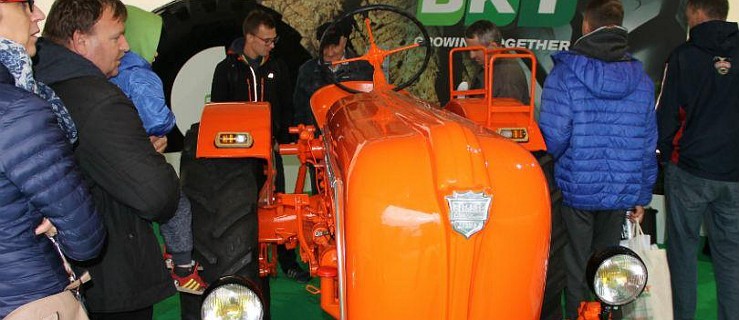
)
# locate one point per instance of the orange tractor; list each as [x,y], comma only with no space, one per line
[418,213]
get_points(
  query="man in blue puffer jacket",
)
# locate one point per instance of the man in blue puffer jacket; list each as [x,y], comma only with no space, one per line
[598,120]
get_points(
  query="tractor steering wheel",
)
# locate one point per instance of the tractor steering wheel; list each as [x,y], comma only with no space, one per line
[375,55]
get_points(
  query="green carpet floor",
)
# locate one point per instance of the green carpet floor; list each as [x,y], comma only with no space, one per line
[291,301]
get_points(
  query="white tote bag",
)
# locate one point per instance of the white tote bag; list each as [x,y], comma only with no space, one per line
[656,300]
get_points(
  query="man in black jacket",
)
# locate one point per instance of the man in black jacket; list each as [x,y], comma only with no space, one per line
[249,73]
[313,76]
[131,183]
[698,113]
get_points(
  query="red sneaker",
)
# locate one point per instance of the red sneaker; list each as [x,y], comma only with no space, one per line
[191,283]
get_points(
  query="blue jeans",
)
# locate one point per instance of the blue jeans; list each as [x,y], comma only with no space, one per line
[691,201]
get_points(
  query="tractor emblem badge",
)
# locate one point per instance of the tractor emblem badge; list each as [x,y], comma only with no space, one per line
[468,211]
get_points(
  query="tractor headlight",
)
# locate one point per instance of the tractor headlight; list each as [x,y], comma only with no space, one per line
[232,298]
[618,275]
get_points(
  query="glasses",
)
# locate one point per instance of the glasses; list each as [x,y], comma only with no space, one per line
[29,2]
[267,41]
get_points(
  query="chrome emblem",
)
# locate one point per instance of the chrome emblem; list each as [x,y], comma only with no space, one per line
[468,211]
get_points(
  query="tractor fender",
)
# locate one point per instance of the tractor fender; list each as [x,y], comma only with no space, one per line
[223,120]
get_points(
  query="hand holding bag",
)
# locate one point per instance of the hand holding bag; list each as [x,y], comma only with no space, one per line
[66,305]
[656,300]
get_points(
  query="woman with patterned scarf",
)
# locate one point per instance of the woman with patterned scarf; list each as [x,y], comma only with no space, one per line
[41,189]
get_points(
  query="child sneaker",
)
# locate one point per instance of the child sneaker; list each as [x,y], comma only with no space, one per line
[190,281]
[170,264]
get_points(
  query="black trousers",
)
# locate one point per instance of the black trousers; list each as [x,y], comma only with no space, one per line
[286,258]
[588,232]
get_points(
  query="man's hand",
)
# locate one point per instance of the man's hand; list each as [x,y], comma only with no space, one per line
[46,227]
[159,143]
[637,215]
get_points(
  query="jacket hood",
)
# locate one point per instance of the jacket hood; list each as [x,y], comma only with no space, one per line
[605,43]
[143,30]
[604,78]
[717,37]
[56,63]
[236,47]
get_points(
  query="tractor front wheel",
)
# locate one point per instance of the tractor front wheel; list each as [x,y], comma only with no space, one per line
[224,194]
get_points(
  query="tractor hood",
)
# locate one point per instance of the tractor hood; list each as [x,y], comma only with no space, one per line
[441,218]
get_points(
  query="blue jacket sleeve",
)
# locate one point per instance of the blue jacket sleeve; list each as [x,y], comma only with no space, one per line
[555,117]
[147,94]
[38,159]
[649,169]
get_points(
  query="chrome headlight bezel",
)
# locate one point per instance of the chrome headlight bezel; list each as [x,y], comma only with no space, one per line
[617,275]
[244,297]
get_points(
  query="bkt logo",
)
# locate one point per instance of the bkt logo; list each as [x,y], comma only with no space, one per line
[531,13]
